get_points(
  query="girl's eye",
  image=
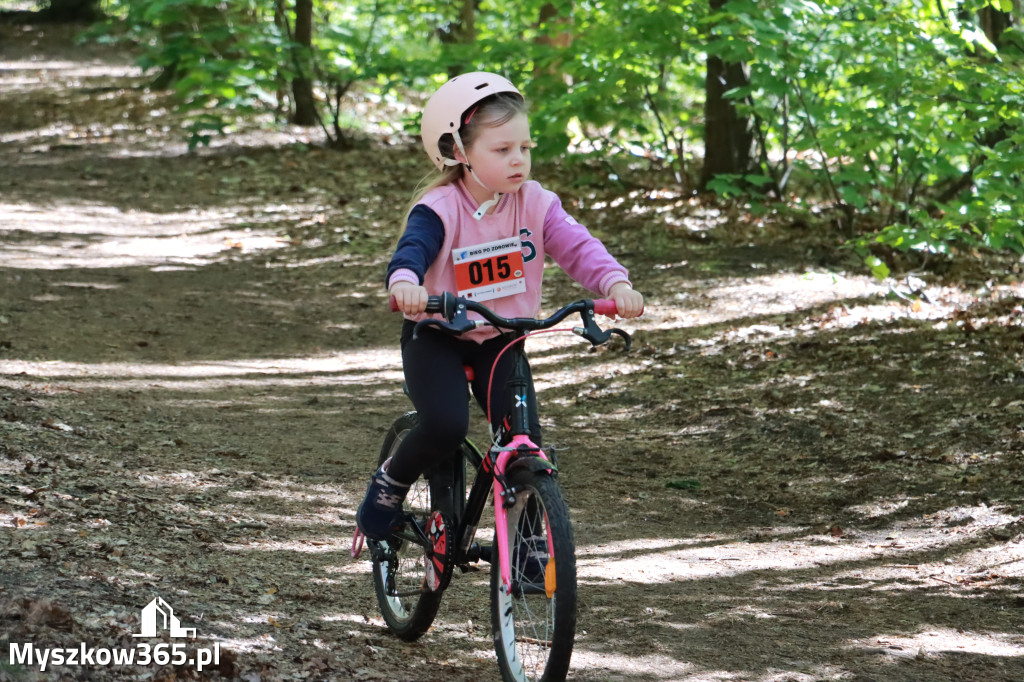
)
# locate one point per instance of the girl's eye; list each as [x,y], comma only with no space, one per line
[506,150]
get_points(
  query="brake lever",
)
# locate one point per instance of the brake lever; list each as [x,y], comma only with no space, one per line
[454,329]
[427,323]
[625,337]
[591,332]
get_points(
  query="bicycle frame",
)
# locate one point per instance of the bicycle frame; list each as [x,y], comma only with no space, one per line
[534,593]
[518,450]
[492,472]
[504,497]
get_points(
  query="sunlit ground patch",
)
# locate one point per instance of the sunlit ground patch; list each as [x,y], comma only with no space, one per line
[937,641]
[68,235]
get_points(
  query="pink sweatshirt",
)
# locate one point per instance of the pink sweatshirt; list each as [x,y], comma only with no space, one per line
[537,217]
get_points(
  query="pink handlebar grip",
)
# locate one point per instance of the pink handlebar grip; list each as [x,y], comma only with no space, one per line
[393,304]
[605,306]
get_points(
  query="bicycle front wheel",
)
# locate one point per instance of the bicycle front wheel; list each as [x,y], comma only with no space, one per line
[534,621]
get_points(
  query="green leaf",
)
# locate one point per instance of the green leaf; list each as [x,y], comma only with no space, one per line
[758,179]
[878,268]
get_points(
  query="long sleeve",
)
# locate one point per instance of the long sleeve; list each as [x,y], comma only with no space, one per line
[579,253]
[418,246]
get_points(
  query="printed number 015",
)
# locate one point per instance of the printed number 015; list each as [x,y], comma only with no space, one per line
[476,270]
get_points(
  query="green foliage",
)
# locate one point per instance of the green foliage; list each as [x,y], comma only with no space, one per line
[908,120]
[901,121]
[629,84]
[224,60]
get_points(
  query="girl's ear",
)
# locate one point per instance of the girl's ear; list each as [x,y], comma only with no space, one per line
[459,156]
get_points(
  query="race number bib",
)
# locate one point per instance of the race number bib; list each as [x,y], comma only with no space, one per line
[491,270]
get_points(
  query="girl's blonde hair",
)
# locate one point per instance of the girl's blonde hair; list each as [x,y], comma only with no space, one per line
[492,112]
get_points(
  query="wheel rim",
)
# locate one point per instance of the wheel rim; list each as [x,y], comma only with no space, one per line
[408,558]
[527,616]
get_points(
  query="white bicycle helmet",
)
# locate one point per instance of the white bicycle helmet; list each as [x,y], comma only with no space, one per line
[445,109]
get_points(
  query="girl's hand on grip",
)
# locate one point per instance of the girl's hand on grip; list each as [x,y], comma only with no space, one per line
[410,299]
[628,301]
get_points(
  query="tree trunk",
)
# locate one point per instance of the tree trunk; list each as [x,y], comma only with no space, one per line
[994,23]
[549,13]
[73,10]
[728,137]
[302,84]
[462,31]
[562,40]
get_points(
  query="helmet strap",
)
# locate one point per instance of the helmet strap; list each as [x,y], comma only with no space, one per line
[486,206]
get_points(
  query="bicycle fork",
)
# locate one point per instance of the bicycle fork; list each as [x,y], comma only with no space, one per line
[505,498]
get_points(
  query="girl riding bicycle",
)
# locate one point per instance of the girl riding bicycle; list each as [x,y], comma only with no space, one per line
[481,229]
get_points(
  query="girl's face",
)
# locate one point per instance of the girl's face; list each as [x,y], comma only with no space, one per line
[500,156]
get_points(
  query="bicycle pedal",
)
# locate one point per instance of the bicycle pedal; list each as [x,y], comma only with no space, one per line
[439,555]
[477,552]
[358,541]
[380,551]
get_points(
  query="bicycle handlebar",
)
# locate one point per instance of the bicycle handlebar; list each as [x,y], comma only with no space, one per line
[456,321]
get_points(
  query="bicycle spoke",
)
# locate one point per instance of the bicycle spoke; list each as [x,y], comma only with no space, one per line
[534,630]
[533,560]
[398,563]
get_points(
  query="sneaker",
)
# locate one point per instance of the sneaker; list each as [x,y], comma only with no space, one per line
[533,559]
[381,509]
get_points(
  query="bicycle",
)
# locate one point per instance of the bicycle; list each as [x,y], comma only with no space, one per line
[533,590]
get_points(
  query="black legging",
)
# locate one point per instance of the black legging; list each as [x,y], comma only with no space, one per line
[436,379]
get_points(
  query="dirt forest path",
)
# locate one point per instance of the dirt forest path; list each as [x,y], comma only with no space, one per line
[797,475]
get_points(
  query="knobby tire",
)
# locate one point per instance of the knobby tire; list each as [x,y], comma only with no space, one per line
[533,635]
[408,617]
